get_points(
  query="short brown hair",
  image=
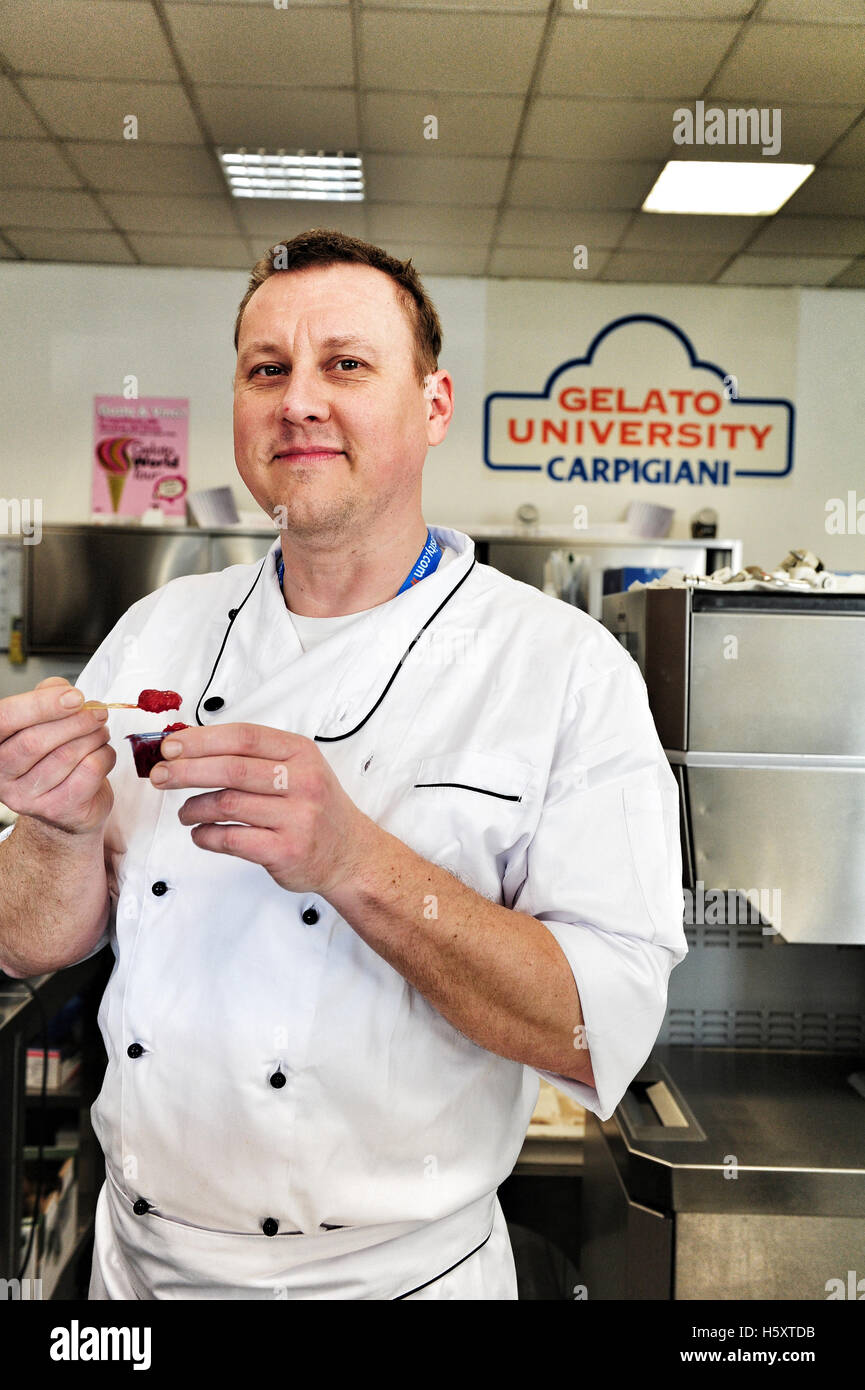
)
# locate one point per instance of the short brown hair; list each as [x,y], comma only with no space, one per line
[321,247]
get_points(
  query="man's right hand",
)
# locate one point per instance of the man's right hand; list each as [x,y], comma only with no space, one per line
[54,760]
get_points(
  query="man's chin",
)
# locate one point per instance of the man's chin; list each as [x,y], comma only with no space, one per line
[308,517]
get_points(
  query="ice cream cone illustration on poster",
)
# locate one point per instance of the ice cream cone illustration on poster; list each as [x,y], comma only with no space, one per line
[115,458]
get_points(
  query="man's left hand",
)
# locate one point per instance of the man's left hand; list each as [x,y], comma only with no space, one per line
[284,806]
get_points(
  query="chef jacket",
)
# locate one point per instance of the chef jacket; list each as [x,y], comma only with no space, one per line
[265,1065]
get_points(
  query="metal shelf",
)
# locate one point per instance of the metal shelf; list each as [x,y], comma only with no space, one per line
[20,1026]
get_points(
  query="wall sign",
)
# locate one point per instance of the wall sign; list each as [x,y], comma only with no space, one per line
[641,407]
[140,455]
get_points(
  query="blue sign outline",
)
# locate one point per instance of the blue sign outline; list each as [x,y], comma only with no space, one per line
[695,362]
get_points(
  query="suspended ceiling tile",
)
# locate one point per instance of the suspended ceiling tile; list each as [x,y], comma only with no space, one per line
[446,52]
[135,168]
[833,236]
[77,110]
[501,6]
[263,45]
[853,277]
[230,252]
[280,5]
[796,62]
[149,212]
[830,10]
[568,184]
[96,247]
[440,260]
[546,263]
[658,232]
[663,9]
[447,225]
[280,117]
[552,227]
[34,164]
[850,151]
[396,122]
[830,191]
[646,268]
[392,178]
[60,209]
[85,38]
[631,57]
[275,219]
[16,118]
[567,128]
[783,270]
[805,132]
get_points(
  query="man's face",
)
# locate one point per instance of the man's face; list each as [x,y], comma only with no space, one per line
[330,421]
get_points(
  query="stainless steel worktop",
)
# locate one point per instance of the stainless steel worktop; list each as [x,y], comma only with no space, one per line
[788,1129]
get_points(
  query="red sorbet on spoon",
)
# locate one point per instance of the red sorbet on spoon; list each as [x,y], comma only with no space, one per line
[157,701]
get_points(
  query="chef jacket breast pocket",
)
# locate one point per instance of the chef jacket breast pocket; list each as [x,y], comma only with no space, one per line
[466,810]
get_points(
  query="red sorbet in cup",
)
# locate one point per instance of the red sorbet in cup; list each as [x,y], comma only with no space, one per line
[147,748]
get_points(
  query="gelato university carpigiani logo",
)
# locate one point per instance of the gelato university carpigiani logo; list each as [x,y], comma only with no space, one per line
[640,407]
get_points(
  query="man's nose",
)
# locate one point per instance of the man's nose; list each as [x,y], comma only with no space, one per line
[304,396]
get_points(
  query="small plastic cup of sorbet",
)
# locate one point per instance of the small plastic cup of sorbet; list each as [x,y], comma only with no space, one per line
[146,748]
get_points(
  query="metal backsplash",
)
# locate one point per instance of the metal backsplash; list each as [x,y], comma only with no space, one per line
[80,580]
[740,988]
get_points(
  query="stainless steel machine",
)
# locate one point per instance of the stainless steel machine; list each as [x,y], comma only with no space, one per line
[759,701]
[80,580]
[735,1166]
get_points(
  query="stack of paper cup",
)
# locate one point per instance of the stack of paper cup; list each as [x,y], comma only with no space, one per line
[647,519]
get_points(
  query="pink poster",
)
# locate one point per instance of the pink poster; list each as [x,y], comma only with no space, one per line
[140,455]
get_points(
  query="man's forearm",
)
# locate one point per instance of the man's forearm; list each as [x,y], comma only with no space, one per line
[498,975]
[54,899]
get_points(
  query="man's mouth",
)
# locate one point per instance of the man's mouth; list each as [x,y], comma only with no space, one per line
[309,452]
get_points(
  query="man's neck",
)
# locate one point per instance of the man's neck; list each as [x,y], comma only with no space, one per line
[332,580]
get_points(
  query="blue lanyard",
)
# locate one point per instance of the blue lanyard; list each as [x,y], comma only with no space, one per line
[424,565]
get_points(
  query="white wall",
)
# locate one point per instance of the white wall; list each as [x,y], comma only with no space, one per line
[71,332]
[830,391]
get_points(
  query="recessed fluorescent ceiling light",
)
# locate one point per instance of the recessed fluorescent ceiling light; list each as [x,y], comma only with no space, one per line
[317,177]
[725,187]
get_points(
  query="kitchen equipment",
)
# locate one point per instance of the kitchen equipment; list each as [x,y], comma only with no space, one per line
[524,557]
[80,580]
[727,1174]
[759,701]
[734,1167]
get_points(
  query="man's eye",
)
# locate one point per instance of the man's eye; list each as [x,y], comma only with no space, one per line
[353,360]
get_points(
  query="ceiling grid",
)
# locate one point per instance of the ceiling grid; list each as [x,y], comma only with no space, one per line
[553,124]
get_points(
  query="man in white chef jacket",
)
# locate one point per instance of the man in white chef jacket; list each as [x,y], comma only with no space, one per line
[418,847]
